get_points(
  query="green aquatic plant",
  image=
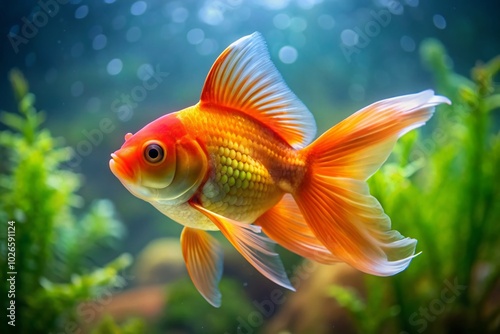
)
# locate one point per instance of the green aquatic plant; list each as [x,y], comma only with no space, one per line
[44,248]
[443,188]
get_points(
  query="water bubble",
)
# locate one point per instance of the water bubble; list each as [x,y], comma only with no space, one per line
[133,34]
[77,88]
[439,21]
[109,1]
[407,44]
[114,66]
[145,72]
[298,24]
[349,37]
[211,13]
[288,54]
[81,12]
[180,14]
[138,8]
[195,36]
[326,21]
[307,4]
[208,46]
[275,4]
[281,21]
[395,7]
[99,42]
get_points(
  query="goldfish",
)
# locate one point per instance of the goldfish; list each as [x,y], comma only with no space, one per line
[244,161]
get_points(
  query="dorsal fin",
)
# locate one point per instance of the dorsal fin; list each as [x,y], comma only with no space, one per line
[243,78]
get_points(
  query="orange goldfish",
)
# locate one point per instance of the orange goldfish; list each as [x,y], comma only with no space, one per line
[242,161]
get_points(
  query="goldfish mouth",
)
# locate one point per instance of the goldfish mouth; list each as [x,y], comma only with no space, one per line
[127,177]
[120,168]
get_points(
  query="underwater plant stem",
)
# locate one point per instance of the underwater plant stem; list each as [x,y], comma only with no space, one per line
[402,301]
[477,210]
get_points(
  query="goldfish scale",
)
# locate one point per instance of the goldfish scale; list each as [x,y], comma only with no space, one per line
[247,162]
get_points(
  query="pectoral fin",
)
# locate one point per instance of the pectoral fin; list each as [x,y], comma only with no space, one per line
[203,256]
[255,247]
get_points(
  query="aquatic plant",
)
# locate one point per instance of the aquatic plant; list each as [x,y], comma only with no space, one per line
[443,189]
[52,271]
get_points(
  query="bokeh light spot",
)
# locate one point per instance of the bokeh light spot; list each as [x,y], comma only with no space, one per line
[407,44]
[133,34]
[298,24]
[99,42]
[288,54]
[81,12]
[439,21]
[115,66]
[211,13]
[208,46]
[326,21]
[138,8]
[180,14]
[349,37]
[145,72]
[195,36]
[281,21]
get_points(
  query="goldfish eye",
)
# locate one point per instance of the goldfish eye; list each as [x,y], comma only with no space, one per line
[154,153]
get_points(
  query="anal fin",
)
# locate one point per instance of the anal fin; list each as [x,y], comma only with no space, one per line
[255,247]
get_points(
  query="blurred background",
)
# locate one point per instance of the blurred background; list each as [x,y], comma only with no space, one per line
[92,258]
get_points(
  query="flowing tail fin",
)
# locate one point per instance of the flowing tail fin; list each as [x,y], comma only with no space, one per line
[334,197]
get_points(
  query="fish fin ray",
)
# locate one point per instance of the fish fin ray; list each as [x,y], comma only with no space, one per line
[357,146]
[252,245]
[353,226]
[204,261]
[334,197]
[243,78]
[285,224]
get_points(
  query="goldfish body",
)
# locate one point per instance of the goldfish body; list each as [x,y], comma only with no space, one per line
[241,162]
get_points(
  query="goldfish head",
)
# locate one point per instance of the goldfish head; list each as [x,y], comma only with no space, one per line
[160,163]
